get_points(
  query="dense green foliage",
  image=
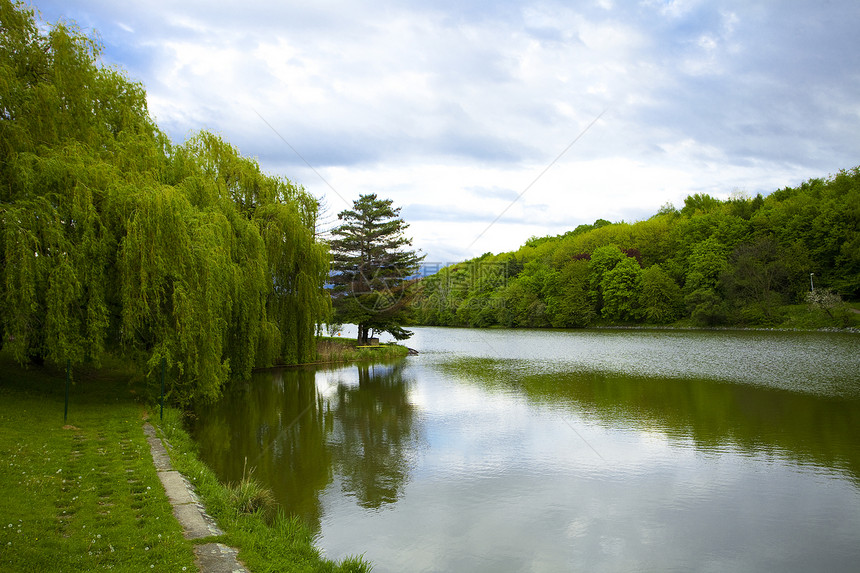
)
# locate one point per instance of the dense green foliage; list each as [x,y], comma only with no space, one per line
[732,262]
[113,239]
[371,267]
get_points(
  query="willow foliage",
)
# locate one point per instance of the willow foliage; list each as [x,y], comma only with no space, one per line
[115,240]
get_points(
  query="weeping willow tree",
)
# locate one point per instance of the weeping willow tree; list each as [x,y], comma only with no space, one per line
[113,239]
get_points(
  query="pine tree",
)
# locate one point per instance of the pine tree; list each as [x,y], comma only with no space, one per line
[371,267]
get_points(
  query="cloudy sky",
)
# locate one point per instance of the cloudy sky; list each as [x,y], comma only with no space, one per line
[454,109]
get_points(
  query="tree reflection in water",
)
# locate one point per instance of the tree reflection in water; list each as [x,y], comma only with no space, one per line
[357,431]
[373,431]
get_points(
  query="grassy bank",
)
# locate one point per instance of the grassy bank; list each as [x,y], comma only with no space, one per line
[335,350]
[793,317]
[85,495]
[801,317]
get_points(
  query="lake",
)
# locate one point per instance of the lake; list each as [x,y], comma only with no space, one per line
[533,450]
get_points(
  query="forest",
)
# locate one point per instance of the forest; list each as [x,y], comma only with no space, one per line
[114,240]
[743,261]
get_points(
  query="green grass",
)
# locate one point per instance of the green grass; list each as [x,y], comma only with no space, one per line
[86,496]
[336,350]
[802,317]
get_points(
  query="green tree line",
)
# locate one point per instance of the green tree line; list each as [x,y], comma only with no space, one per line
[740,261]
[115,240]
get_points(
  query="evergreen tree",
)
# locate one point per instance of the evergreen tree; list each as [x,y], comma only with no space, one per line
[371,267]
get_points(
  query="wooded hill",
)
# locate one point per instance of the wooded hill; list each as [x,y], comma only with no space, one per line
[113,239]
[733,262]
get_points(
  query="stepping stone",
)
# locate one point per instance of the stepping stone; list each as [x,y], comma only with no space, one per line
[175,487]
[193,523]
[217,558]
[159,455]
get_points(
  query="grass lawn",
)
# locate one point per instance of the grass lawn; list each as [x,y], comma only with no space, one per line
[84,496]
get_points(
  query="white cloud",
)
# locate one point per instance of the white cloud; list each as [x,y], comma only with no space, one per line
[425,103]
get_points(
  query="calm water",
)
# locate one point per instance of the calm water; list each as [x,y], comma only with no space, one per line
[548,451]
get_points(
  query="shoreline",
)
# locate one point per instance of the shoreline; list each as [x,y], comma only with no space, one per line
[347,353]
[829,329]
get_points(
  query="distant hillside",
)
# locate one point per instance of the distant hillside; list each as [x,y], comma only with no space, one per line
[741,261]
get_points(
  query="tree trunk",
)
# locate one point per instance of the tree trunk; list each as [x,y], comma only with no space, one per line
[362,335]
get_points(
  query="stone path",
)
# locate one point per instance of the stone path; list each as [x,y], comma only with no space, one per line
[211,557]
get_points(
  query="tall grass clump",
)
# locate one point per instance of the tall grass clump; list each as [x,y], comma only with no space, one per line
[249,496]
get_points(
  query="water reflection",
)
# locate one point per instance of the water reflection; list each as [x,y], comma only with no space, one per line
[274,425]
[806,428]
[372,431]
[550,451]
[300,430]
